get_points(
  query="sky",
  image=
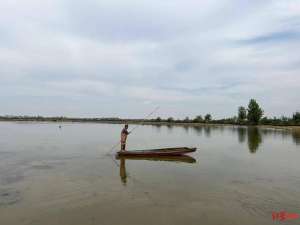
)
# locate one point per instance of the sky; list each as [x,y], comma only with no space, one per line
[123,58]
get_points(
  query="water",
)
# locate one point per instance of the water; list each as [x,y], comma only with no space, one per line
[54,176]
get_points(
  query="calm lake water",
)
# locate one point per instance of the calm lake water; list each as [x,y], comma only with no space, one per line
[53,176]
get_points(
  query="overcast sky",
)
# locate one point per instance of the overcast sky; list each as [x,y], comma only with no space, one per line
[125,57]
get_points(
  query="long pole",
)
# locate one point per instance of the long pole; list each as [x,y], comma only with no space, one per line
[136,126]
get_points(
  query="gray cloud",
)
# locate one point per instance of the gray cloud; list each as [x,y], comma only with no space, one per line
[123,58]
[282,36]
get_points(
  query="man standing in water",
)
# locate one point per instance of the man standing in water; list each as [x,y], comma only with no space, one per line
[124,135]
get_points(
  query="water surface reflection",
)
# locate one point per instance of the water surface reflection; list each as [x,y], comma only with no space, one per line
[173,159]
[54,176]
[253,137]
[296,137]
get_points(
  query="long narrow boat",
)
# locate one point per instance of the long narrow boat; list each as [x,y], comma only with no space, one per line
[158,152]
[168,158]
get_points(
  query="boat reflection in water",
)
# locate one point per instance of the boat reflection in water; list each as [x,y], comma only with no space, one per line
[174,159]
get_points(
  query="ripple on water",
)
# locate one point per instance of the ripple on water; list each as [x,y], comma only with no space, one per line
[11,178]
[42,167]
[9,197]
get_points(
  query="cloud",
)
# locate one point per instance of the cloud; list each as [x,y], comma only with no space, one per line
[282,36]
[191,57]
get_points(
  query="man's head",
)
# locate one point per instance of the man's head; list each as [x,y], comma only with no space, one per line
[126,126]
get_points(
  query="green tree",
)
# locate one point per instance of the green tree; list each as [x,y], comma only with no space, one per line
[198,119]
[158,119]
[265,120]
[186,119]
[296,116]
[254,112]
[242,113]
[170,119]
[207,117]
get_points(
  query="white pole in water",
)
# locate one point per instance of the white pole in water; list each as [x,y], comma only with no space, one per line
[136,126]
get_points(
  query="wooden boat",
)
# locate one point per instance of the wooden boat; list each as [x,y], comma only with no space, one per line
[158,152]
[172,158]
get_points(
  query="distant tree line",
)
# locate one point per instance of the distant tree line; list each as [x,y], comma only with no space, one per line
[198,119]
[56,119]
[252,115]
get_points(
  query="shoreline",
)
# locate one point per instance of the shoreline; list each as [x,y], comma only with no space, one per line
[153,123]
